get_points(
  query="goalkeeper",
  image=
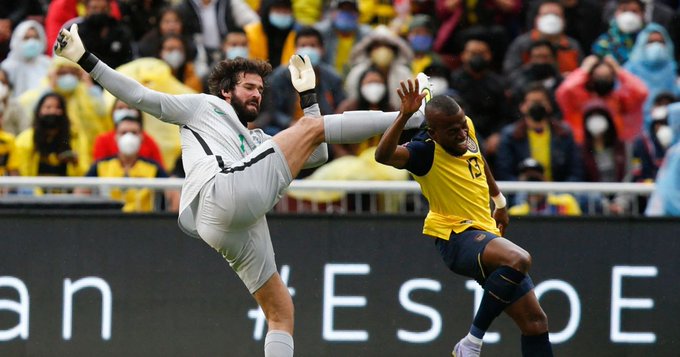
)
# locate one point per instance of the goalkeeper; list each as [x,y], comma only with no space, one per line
[234,175]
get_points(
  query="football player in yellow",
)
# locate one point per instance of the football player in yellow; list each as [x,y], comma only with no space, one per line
[447,163]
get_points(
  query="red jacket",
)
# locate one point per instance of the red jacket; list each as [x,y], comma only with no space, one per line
[105,146]
[625,103]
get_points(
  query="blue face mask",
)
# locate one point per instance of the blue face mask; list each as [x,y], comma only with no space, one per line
[655,53]
[237,51]
[346,21]
[67,83]
[313,53]
[31,48]
[421,43]
[281,21]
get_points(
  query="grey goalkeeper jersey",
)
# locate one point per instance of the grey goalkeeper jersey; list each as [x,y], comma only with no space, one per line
[211,134]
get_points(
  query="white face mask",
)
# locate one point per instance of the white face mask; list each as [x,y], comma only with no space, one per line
[550,24]
[373,92]
[236,51]
[659,113]
[629,22]
[4,90]
[129,143]
[665,135]
[174,58]
[596,124]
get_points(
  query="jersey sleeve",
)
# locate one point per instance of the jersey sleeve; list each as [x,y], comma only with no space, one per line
[421,156]
[174,109]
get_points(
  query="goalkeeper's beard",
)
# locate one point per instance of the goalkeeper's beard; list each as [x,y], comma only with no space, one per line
[245,114]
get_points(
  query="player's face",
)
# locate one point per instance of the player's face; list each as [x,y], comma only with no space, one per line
[450,131]
[247,96]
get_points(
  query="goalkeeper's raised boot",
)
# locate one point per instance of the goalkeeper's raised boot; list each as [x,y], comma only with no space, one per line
[425,87]
[418,117]
[466,348]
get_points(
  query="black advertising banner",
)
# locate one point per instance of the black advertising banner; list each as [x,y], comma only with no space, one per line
[134,285]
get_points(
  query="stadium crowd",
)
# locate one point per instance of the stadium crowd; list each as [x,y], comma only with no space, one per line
[588,90]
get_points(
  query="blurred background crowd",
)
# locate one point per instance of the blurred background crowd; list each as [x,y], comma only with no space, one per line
[558,90]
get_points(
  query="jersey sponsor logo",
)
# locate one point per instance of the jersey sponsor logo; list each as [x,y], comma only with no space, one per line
[480,237]
[472,145]
[218,111]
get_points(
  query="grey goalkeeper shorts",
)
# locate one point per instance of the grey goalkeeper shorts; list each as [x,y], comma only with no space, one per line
[231,212]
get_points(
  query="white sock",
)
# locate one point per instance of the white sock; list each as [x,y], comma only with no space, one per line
[357,126]
[278,344]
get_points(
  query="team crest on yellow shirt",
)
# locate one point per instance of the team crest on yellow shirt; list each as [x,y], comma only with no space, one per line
[472,145]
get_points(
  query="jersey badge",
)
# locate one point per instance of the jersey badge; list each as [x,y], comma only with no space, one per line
[472,146]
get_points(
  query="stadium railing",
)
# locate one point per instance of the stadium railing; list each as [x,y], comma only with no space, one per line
[365,197]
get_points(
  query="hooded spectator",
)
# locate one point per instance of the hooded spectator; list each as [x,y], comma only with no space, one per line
[26,63]
[385,51]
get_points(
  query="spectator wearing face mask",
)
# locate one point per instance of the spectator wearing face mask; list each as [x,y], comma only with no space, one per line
[285,106]
[105,144]
[235,44]
[104,35]
[548,25]
[619,39]
[666,197]
[541,204]
[49,148]
[85,106]
[541,67]
[15,119]
[26,63]
[622,92]
[385,51]
[538,135]
[273,38]
[373,95]
[604,154]
[174,52]
[128,163]
[483,90]
[652,61]
[341,30]
[420,37]
[650,147]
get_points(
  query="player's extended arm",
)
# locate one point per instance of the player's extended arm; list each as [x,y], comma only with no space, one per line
[388,152]
[500,212]
[70,46]
[304,80]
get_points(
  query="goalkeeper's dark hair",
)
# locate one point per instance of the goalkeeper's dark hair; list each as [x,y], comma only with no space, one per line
[226,74]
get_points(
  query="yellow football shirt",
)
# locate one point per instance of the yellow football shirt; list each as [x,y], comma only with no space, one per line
[455,187]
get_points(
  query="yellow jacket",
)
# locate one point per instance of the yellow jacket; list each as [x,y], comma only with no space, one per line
[26,160]
[258,45]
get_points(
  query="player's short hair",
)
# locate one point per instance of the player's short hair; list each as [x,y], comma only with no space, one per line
[442,104]
[226,74]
